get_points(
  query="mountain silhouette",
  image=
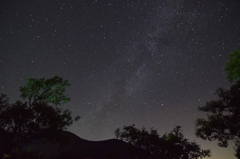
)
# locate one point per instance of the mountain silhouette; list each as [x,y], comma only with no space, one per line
[78,148]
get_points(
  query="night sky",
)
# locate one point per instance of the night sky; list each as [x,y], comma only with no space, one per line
[147,62]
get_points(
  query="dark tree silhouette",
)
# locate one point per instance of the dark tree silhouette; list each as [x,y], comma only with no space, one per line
[37,116]
[233,66]
[169,146]
[223,118]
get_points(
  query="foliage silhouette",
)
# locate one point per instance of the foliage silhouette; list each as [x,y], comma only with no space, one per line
[37,116]
[27,154]
[223,118]
[169,146]
[233,66]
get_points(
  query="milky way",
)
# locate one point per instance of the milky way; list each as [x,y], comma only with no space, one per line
[149,63]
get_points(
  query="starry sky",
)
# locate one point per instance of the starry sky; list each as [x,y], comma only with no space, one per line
[147,62]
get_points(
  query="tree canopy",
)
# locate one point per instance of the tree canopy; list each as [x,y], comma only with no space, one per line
[233,66]
[223,115]
[223,118]
[169,146]
[37,116]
